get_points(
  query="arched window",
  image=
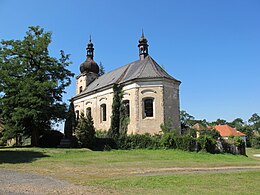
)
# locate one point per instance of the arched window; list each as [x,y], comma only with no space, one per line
[103,112]
[88,111]
[77,114]
[148,107]
[126,104]
[80,89]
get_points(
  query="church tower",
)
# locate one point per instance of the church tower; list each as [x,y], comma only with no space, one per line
[88,70]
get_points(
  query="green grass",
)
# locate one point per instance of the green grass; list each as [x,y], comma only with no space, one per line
[129,171]
[205,183]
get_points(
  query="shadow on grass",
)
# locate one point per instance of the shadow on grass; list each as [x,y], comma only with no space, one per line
[12,156]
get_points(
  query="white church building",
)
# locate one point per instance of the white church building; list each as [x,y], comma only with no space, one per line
[151,95]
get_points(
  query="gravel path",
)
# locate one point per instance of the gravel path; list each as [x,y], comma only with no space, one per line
[189,170]
[18,183]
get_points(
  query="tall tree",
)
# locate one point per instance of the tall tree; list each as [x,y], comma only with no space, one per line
[32,83]
[70,122]
[186,119]
[114,130]
[85,131]
[237,123]
[101,69]
[255,121]
[218,122]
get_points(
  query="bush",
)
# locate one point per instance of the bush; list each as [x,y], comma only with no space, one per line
[50,139]
[104,144]
[256,142]
[85,131]
[138,141]
[210,133]
[167,141]
[206,143]
[101,134]
[186,143]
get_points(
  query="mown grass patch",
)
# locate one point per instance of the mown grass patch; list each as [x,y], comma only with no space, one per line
[117,169]
[203,183]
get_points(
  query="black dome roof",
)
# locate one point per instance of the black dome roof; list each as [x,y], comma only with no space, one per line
[89,66]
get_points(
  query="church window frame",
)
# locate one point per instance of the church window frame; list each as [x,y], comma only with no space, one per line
[148,107]
[103,113]
[80,89]
[126,104]
[77,114]
[88,111]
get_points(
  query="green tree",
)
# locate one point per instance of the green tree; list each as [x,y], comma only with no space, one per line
[124,118]
[113,132]
[85,131]
[186,119]
[101,69]
[248,130]
[238,123]
[255,121]
[70,121]
[218,122]
[32,83]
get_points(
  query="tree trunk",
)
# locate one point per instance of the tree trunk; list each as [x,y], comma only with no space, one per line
[35,138]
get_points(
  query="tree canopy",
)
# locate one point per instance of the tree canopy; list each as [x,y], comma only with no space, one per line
[101,69]
[31,84]
[255,120]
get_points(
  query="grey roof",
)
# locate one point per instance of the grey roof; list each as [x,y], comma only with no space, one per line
[140,69]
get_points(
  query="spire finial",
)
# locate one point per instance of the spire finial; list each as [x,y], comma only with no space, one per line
[90,49]
[142,32]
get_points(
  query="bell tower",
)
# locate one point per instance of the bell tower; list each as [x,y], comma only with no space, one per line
[143,47]
[89,70]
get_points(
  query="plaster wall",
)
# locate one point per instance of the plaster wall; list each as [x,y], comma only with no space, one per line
[165,105]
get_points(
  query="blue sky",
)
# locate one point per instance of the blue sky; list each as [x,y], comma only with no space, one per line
[212,46]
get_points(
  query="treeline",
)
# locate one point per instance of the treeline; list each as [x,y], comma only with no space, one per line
[251,127]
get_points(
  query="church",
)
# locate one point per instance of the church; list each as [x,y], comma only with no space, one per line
[150,94]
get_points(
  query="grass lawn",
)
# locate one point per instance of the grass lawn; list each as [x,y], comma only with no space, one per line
[139,171]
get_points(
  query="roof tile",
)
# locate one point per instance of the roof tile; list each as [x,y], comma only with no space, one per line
[226,130]
[139,69]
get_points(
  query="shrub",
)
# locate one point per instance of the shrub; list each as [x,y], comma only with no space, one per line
[138,141]
[50,139]
[85,131]
[101,134]
[210,133]
[167,141]
[186,143]
[206,143]
[104,144]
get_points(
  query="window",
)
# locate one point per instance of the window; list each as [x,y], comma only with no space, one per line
[148,107]
[103,112]
[88,111]
[77,114]
[126,105]
[80,89]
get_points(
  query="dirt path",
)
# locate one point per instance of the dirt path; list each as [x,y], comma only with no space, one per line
[189,170]
[18,183]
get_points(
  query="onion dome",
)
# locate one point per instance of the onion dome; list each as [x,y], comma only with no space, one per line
[89,65]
